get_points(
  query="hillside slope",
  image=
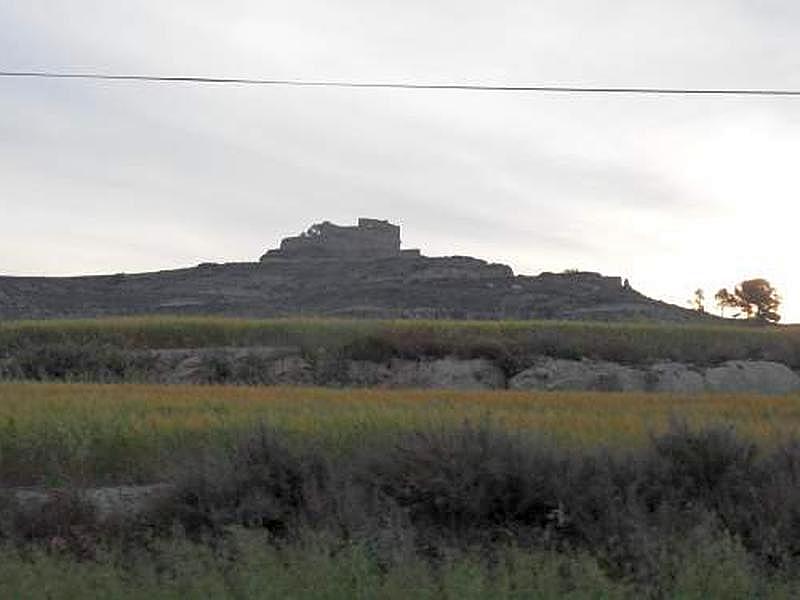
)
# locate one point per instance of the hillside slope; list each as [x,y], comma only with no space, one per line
[327,273]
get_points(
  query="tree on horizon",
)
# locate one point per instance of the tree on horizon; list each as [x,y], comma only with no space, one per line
[755,298]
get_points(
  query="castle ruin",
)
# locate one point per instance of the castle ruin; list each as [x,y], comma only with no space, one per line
[371,238]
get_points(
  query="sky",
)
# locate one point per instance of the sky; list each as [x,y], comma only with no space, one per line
[674,193]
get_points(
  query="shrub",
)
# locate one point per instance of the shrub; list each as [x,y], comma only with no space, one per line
[476,482]
[767,520]
[260,482]
[693,496]
[72,361]
[711,466]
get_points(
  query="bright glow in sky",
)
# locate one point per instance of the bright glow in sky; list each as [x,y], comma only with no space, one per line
[673,193]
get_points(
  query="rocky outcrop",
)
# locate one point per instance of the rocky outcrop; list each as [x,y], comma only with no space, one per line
[339,271]
[676,378]
[288,366]
[759,377]
[752,376]
[561,375]
[291,365]
[460,268]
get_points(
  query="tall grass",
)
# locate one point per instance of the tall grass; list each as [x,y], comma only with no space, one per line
[507,342]
[49,432]
[309,572]
[314,570]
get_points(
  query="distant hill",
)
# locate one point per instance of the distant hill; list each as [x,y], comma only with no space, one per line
[330,270]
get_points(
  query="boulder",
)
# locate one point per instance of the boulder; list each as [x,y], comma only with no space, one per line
[560,374]
[672,377]
[752,377]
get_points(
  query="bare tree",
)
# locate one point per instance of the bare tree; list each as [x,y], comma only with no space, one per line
[698,300]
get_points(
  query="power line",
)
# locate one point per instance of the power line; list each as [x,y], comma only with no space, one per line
[566,89]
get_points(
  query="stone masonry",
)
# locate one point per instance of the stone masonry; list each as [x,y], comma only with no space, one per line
[371,238]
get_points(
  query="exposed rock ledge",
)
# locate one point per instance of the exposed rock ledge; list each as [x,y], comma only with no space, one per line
[734,376]
[286,366]
[290,366]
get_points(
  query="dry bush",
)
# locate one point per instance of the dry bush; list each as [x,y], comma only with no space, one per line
[260,482]
[476,489]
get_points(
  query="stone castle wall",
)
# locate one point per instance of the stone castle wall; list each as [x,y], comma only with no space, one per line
[371,238]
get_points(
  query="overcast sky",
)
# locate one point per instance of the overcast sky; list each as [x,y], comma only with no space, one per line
[674,193]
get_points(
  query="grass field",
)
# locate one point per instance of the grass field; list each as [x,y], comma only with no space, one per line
[389,494]
[377,493]
[255,569]
[126,432]
[505,341]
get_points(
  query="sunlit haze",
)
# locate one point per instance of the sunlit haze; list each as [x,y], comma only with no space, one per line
[674,193]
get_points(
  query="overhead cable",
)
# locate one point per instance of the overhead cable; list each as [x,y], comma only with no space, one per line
[561,89]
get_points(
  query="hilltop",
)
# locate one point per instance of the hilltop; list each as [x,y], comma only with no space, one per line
[331,270]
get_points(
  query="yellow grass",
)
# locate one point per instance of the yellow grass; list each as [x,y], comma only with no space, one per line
[579,417]
[130,432]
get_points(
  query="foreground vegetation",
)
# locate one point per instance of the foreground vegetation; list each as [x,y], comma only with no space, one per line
[51,433]
[97,349]
[320,493]
[465,510]
[253,566]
